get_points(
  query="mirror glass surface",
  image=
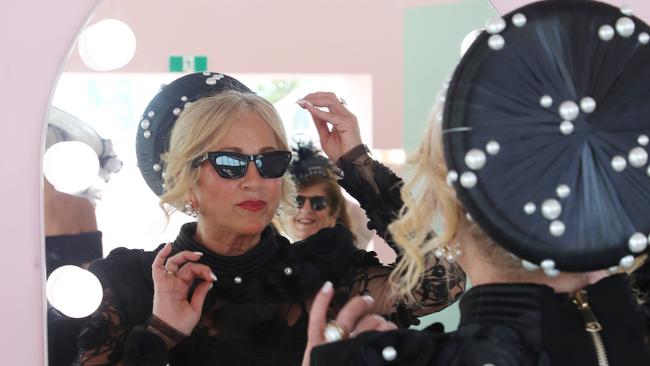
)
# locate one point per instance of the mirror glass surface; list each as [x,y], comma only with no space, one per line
[387,58]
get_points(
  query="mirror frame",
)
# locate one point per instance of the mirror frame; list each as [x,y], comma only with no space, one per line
[29,78]
[28,81]
[39,43]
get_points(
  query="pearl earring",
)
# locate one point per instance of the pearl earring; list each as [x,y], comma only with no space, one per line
[449,253]
[190,210]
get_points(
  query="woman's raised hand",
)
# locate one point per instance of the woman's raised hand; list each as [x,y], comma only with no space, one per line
[344,133]
[355,317]
[173,278]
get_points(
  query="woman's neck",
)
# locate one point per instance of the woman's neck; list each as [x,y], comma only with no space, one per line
[225,242]
[482,273]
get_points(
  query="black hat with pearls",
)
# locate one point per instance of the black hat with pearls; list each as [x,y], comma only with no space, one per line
[160,115]
[545,132]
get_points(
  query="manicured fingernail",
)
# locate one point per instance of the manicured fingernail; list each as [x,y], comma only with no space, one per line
[302,102]
[213,276]
[368,299]
[198,253]
[327,287]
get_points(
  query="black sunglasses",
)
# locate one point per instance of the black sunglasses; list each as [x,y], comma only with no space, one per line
[233,165]
[318,203]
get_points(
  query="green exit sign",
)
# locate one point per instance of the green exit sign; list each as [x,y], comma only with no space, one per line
[188,63]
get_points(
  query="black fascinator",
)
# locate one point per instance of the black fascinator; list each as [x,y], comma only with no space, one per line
[545,131]
[307,163]
[161,114]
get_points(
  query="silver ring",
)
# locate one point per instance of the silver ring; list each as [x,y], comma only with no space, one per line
[171,273]
[343,102]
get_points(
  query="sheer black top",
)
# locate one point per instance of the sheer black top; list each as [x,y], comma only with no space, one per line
[256,313]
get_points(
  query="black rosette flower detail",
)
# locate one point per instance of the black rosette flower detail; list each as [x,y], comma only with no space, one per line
[363,259]
[488,344]
[329,251]
[293,280]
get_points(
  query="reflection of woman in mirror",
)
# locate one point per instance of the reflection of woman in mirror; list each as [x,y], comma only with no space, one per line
[229,290]
[320,203]
[571,203]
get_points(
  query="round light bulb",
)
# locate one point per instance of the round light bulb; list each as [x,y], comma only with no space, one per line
[74,291]
[71,166]
[107,45]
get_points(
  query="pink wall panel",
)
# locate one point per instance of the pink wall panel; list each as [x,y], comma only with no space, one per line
[280,36]
[35,36]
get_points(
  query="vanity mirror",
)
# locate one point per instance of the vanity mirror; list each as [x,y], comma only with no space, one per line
[45,29]
[283,50]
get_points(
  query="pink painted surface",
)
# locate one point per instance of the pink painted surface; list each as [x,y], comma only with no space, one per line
[641,8]
[280,36]
[35,37]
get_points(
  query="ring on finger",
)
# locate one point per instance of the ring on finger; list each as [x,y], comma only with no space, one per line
[343,102]
[334,331]
[170,273]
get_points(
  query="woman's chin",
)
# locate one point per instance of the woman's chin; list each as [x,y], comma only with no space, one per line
[304,233]
[252,228]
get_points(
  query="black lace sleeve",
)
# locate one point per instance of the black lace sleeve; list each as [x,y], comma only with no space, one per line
[442,284]
[115,334]
[102,339]
[377,189]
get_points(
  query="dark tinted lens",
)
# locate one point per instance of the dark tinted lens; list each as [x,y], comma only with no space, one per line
[318,203]
[300,201]
[231,165]
[273,164]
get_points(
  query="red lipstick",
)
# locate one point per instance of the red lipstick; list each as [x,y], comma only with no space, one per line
[252,205]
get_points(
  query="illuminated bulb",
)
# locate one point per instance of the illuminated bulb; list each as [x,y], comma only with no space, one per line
[107,45]
[71,166]
[74,291]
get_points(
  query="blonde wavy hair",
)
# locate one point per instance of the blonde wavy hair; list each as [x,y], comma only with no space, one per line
[202,125]
[428,199]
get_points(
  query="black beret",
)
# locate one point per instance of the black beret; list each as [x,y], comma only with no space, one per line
[545,132]
[161,114]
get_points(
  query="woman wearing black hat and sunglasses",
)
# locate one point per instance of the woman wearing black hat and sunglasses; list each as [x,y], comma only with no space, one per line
[538,167]
[229,290]
[319,201]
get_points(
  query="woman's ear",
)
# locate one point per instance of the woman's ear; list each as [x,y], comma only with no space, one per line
[191,197]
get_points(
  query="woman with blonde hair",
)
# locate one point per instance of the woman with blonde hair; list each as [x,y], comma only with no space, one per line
[538,169]
[230,290]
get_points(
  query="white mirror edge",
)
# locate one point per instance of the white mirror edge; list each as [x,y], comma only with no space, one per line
[38,35]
